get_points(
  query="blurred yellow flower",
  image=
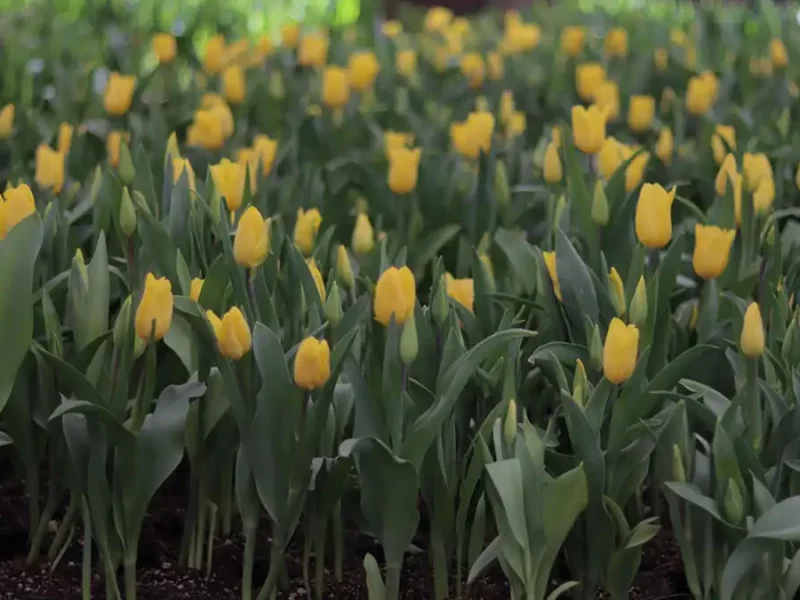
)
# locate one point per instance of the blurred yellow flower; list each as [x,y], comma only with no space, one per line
[313,51]
[6,121]
[154,313]
[661,59]
[113,144]
[395,295]
[49,168]
[553,172]
[641,111]
[119,94]
[726,171]
[290,34]
[363,240]
[516,124]
[607,98]
[206,130]
[723,139]
[521,38]
[215,57]
[494,65]
[507,106]
[228,180]
[588,128]
[473,68]
[616,43]
[572,40]
[16,204]
[550,263]
[778,54]
[634,173]
[234,84]
[756,168]
[620,351]
[406,62]
[403,169]
[165,47]
[751,340]
[248,159]
[588,77]
[362,68]
[665,146]
[179,165]
[64,143]
[251,244]
[196,288]
[316,275]
[265,149]
[437,19]
[701,93]
[654,215]
[461,290]
[335,87]
[312,364]
[306,228]
[396,139]
[712,246]
[391,29]
[764,196]
[610,157]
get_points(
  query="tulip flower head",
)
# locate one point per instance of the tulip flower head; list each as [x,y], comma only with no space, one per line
[461,290]
[252,241]
[6,121]
[550,263]
[312,364]
[620,351]
[395,296]
[403,169]
[229,182]
[306,228]
[195,288]
[154,313]
[751,340]
[165,47]
[588,128]
[712,247]
[119,94]
[16,204]
[653,215]
[363,68]
[49,168]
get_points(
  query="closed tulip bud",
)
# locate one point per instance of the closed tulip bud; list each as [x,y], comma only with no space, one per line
[363,240]
[409,344]
[127,214]
[661,59]
[165,47]
[119,94]
[312,364]
[65,132]
[620,351]
[727,171]
[641,111]
[266,149]
[404,169]
[733,502]
[502,193]
[580,384]
[215,56]
[114,147]
[233,334]
[195,288]
[572,40]
[634,173]
[234,84]
[306,228]
[678,468]
[154,314]
[638,307]
[653,215]
[7,121]
[600,209]
[363,68]
[616,290]
[290,35]
[335,87]
[553,173]
[49,168]
[251,244]
[712,247]
[16,206]
[610,157]
[333,306]
[665,146]
[550,263]
[316,275]
[764,196]
[439,302]
[596,350]
[395,295]
[127,172]
[344,271]
[80,264]
[588,78]
[313,50]
[723,141]
[701,93]
[588,128]
[607,99]
[558,211]
[616,42]
[751,340]
[510,425]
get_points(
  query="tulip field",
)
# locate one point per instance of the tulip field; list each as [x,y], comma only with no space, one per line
[442,308]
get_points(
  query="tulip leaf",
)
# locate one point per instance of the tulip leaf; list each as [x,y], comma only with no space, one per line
[99,292]
[520,257]
[159,247]
[580,300]
[429,247]
[741,561]
[18,252]
[490,554]
[375,587]
[73,380]
[581,197]
[692,494]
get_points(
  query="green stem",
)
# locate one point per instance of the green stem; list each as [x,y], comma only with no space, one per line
[130,579]
[186,554]
[64,527]
[144,398]
[439,558]
[201,529]
[190,559]
[338,542]
[226,502]
[247,564]
[34,510]
[392,581]
[319,564]
[275,568]
[53,498]
[753,409]
[307,555]
[212,528]
[86,565]
[54,564]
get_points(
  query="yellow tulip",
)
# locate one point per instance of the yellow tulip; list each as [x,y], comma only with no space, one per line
[517,124]
[206,130]
[290,35]
[653,215]
[473,68]
[312,364]
[335,87]
[495,66]
[751,340]
[641,111]
[573,38]
[620,351]
[756,168]
[49,168]
[778,54]
[712,247]
[316,275]
[391,29]
[363,235]
[64,143]
[119,94]
[661,59]
[701,93]
[607,99]
[237,52]
[220,110]
[616,291]
[313,50]
[507,105]
[395,294]
[229,179]
[7,121]
[234,84]
[404,169]
[247,158]
[264,49]
[724,137]
[616,42]
[196,288]
[550,263]
[634,173]
[610,157]
[179,165]
[165,47]
[251,244]
[665,146]
[215,57]
[113,144]
[16,204]
[265,148]
[553,172]
[461,290]
[406,62]
[306,228]
[726,171]
[736,181]
[473,135]
[233,335]
[396,139]
[764,196]
[588,128]
[588,78]
[216,324]
[363,68]
[154,314]
[437,18]
[521,38]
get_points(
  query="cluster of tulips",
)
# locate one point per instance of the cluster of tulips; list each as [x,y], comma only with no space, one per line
[534,277]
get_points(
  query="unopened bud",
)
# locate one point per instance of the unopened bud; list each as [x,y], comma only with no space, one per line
[409,344]
[561,206]
[122,323]
[596,350]
[127,214]
[333,305]
[600,210]
[439,302]
[80,265]
[344,270]
[638,307]
[276,87]
[678,468]
[140,203]
[510,424]
[733,503]
[502,193]
[580,384]
[127,172]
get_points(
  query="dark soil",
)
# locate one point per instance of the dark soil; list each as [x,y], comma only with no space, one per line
[660,576]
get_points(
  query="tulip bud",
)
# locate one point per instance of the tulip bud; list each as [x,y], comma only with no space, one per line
[600,210]
[784,123]
[510,424]
[638,308]
[596,349]
[71,193]
[127,172]
[561,206]
[733,502]
[751,340]
[678,469]
[580,384]
[127,214]
[344,271]
[140,203]
[409,344]
[501,192]
[77,261]
[616,291]
[333,306]
[439,302]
